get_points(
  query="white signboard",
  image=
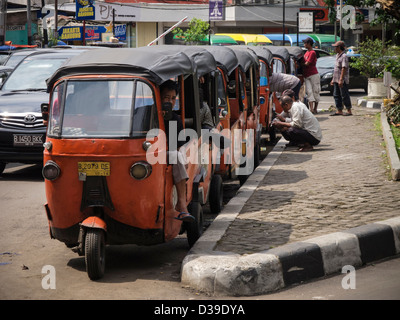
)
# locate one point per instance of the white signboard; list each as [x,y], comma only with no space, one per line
[306,21]
[106,11]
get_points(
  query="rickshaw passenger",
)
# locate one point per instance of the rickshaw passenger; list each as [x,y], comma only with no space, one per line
[169,92]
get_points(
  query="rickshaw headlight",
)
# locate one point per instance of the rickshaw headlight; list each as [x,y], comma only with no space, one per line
[140,170]
[51,170]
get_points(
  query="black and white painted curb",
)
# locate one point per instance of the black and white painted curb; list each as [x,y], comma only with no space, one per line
[224,273]
[372,104]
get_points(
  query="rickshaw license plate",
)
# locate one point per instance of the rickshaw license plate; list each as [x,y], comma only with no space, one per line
[94,168]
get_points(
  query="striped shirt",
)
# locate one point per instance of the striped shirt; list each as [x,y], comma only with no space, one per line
[342,61]
[280,82]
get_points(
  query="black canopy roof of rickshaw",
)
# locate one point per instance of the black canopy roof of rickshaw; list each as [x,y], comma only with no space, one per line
[203,59]
[295,52]
[224,56]
[246,57]
[263,53]
[280,52]
[155,65]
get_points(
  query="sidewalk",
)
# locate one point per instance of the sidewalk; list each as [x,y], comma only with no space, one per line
[303,215]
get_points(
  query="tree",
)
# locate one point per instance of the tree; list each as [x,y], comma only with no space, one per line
[197,31]
[388,11]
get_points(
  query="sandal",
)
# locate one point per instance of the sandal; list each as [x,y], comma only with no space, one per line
[306,149]
[336,114]
[185,217]
[347,114]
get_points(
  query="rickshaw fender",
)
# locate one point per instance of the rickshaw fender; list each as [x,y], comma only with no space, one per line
[94,222]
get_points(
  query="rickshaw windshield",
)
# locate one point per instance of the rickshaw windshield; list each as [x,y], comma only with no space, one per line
[102,108]
[222,98]
[278,66]
[263,74]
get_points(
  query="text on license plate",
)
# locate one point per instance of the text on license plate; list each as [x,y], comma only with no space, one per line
[94,168]
[28,140]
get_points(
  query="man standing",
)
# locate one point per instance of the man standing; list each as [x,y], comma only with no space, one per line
[301,128]
[340,81]
[311,77]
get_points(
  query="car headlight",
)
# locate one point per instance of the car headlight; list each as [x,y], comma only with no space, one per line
[327,75]
[51,170]
[140,170]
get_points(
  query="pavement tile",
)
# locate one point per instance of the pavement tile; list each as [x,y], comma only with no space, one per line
[342,184]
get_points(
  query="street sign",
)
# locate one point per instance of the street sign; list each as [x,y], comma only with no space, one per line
[85,10]
[306,21]
[215,10]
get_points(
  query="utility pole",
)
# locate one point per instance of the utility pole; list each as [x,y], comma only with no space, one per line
[283,25]
[29,20]
[341,18]
[3,21]
[56,20]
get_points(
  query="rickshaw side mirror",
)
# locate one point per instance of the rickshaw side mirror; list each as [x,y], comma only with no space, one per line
[232,86]
[45,112]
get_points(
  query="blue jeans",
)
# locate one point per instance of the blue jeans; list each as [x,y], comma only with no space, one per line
[341,96]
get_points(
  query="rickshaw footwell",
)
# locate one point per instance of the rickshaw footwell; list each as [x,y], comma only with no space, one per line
[117,233]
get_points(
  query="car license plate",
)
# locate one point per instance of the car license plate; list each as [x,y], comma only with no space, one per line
[28,140]
[94,168]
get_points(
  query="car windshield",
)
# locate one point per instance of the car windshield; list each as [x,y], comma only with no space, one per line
[102,108]
[328,62]
[32,74]
[14,59]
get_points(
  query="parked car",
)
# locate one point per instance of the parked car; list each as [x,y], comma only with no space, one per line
[4,73]
[17,56]
[22,132]
[320,53]
[325,66]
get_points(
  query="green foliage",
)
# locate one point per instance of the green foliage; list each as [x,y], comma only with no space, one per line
[198,30]
[392,64]
[372,61]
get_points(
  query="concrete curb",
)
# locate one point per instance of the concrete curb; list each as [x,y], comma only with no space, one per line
[369,103]
[219,273]
[229,274]
[393,156]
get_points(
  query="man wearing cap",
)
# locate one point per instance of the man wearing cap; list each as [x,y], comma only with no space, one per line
[340,81]
[311,77]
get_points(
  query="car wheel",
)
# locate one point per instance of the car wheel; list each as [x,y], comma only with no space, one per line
[2,167]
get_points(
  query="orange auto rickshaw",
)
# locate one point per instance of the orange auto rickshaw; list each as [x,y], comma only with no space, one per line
[245,106]
[105,121]
[266,65]
[236,68]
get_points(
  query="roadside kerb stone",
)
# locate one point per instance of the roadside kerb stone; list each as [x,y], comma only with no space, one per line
[289,228]
[374,104]
[393,156]
[220,273]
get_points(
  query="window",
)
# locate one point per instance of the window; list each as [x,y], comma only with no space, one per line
[105,108]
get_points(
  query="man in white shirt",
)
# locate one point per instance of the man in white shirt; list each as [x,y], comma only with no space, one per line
[299,127]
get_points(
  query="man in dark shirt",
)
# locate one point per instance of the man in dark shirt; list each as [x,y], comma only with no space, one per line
[173,125]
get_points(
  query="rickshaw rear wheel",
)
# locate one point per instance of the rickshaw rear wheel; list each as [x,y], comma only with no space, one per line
[216,194]
[95,249]
[194,229]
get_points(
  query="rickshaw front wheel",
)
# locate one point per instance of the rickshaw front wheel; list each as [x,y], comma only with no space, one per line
[194,229]
[95,249]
